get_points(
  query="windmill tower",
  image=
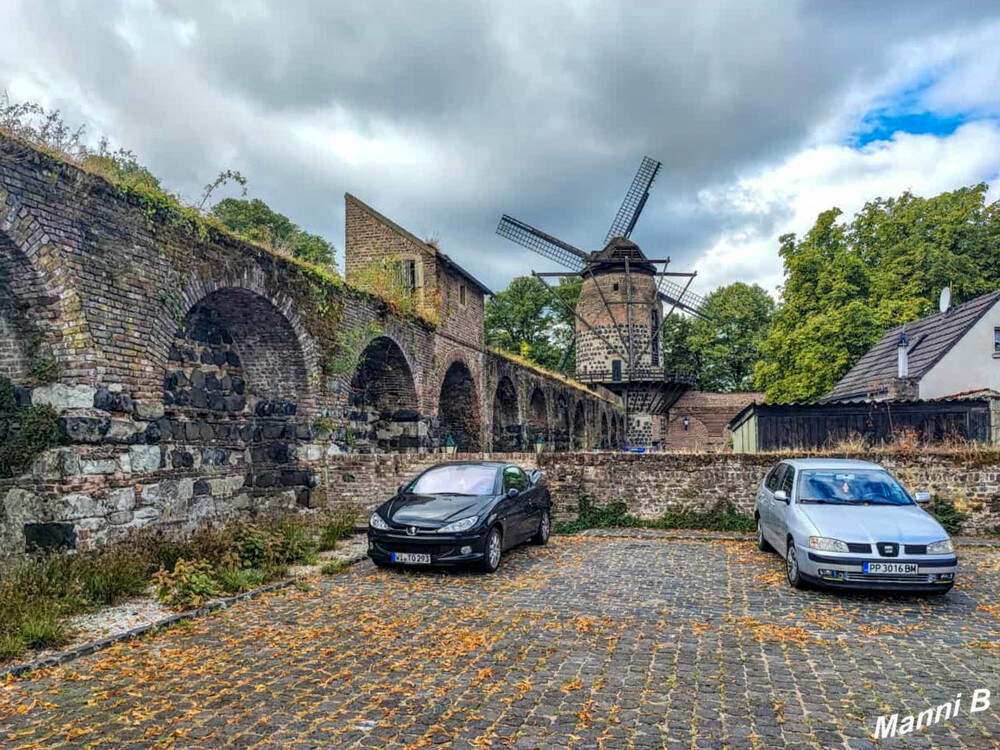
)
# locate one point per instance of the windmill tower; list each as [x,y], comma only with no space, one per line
[620,313]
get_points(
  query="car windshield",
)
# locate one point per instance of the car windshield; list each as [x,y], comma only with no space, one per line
[851,487]
[457,479]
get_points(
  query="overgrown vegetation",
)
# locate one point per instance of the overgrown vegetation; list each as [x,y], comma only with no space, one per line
[721,517]
[383,278]
[252,221]
[37,430]
[947,514]
[40,593]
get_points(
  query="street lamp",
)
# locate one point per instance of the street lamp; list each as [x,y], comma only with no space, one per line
[687,422]
[539,444]
[449,444]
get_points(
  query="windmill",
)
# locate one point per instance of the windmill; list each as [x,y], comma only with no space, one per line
[619,313]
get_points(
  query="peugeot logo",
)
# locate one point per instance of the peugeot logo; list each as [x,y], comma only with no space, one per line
[411,530]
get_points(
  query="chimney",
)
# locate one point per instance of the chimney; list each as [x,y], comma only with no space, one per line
[902,356]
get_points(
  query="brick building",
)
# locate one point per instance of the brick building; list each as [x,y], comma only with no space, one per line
[699,421]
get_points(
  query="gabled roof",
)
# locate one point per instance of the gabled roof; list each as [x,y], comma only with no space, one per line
[930,339]
[446,260]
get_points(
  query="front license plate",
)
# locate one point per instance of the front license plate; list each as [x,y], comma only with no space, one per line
[890,567]
[411,558]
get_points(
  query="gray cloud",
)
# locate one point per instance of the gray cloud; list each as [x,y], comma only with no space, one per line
[457,112]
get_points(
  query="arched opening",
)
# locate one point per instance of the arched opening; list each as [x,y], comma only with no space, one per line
[506,427]
[605,432]
[384,396]
[23,306]
[458,409]
[235,377]
[561,432]
[579,427]
[235,352]
[538,419]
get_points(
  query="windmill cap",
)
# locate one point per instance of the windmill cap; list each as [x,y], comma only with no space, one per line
[617,251]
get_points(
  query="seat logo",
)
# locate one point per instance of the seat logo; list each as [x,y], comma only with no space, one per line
[411,530]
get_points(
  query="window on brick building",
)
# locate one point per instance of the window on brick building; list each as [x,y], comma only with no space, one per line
[408,274]
[461,295]
[655,344]
[616,369]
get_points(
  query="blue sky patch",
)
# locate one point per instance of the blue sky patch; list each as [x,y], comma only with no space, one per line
[881,126]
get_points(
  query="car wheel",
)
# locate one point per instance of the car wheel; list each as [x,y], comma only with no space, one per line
[492,550]
[762,543]
[794,575]
[544,529]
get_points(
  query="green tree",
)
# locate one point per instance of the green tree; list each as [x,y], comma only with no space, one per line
[847,283]
[678,354]
[727,343]
[257,221]
[525,319]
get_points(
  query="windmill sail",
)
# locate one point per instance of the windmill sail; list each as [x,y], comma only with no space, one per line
[635,200]
[544,244]
[674,294]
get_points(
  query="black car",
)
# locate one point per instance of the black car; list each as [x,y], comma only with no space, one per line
[461,512]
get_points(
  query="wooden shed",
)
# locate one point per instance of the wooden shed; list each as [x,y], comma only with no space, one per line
[774,427]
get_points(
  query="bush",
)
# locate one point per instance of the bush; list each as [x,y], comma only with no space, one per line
[12,645]
[39,431]
[113,574]
[337,526]
[235,580]
[43,628]
[188,586]
[294,541]
[947,514]
[590,516]
[334,567]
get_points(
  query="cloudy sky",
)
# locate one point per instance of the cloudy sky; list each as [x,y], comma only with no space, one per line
[443,115]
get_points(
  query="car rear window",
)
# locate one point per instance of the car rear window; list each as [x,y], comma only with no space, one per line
[456,479]
[851,486]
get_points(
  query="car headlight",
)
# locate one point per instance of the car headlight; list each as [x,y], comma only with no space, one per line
[827,545]
[463,525]
[377,522]
[940,548]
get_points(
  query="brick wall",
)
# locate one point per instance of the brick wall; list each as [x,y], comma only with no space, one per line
[651,484]
[708,416]
[197,377]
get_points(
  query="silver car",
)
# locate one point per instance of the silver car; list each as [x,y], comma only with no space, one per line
[850,524]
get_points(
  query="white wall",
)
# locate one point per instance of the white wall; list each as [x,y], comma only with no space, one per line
[970,365]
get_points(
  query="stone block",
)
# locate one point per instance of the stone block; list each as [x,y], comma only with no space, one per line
[62,396]
[84,429]
[148,412]
[57,463]
[124,431]
[121,498]
[76,505]
[120,517]
[99,466]
[167,491]
[144,458]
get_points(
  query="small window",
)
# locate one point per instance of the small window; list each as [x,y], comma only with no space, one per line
[616,370]
[788,481]
[654,354]
[461,294]
[996,340]
[514,478]
[774,477]
[408,274]
[614,287]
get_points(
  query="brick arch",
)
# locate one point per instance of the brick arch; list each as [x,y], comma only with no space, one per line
[269,307]
[33,297]
[459,408]
[605,432]
[506,417]
[538,417]
[579,435]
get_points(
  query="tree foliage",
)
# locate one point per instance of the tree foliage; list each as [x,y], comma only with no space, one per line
[258,222]
[847,283]
[527,319]
[723,349]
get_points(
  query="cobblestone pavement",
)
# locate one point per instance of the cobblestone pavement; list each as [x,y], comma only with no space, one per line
[589,642]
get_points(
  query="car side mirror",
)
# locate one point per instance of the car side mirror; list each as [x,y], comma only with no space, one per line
[922,497]
[781,496]
[536,476]
[512,492]
[402,489]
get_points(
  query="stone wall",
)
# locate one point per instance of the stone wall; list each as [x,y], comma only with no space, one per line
[651,484]
[197,377]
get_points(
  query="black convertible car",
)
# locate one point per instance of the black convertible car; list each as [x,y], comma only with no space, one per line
[461,512]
